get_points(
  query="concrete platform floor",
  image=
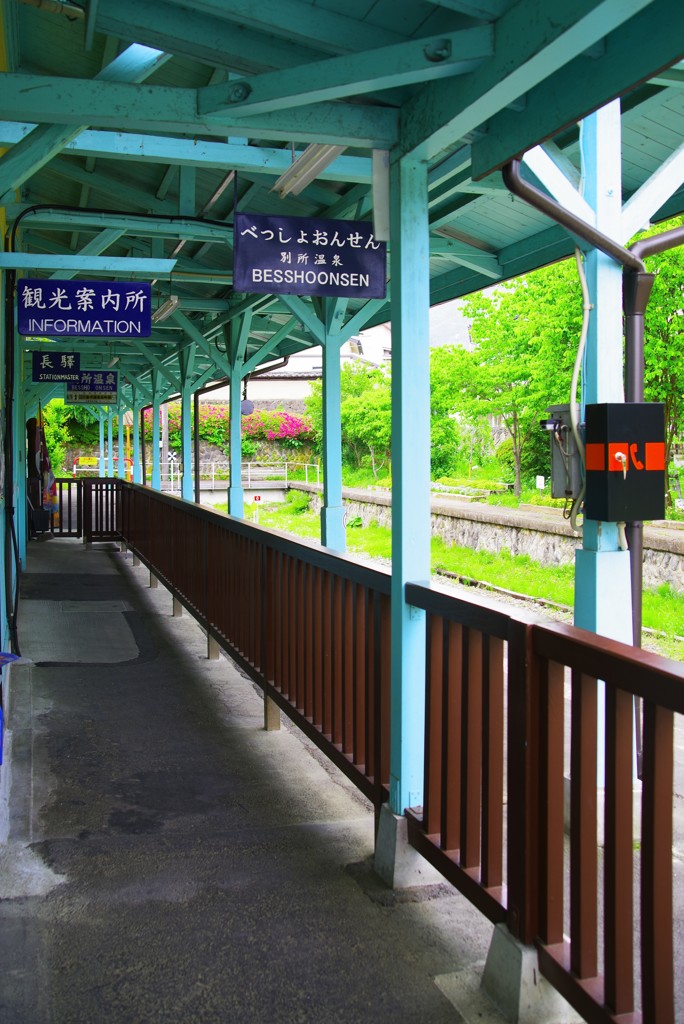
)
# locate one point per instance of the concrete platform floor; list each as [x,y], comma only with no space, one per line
[168,860]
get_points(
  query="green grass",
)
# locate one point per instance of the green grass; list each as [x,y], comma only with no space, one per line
[663,609]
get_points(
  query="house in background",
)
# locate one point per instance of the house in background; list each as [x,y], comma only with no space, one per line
[289,385]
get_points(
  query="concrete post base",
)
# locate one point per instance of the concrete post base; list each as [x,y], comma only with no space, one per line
[213,649]
[136,560]
[397,863]
[512,981]
[271,715]
[177,608]
[154,582]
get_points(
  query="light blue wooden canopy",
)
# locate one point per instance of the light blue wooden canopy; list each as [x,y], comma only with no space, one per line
[132,128]
[134,124]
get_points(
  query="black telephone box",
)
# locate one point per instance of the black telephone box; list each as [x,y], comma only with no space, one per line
[625,462]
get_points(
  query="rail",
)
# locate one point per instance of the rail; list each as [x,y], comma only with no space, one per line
[217,474]
[516,713]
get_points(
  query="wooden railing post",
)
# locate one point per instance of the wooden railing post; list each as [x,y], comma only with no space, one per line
[657,957]
[523,793]
[87,511]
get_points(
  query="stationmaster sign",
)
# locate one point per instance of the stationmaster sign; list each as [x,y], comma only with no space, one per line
[53,367]
[98,309]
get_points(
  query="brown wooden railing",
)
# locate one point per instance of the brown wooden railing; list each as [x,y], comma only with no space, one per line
[493,817]
[310,627]
[88,508]
[511,724]
[68,520]
[591,961]
[460,828]
[101,508]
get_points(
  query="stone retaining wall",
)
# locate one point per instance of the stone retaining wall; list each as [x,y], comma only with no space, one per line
[540,533]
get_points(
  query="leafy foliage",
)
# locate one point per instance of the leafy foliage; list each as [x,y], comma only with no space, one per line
[524,337]
[664,338]
[57,436]
[260,426]
[366,415]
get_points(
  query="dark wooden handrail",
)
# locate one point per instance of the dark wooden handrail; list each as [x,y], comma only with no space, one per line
[312,628]
[550,667]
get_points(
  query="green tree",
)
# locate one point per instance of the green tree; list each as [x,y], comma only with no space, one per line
[56,416]
[664,341]
[367,426]
[524,336]
[366,414]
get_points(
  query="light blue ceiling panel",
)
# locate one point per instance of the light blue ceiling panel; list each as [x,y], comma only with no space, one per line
[46,140]
[243,88]
[653,39]
[208,39]
[488,10]
[332,31]
[532,42]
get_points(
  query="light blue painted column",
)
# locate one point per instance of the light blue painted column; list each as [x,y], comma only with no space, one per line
[410,474]
[121,445]
[110,443]
[602,571]
[19,431]
[137,463]
[102,444]
[333,533]
[236,495]
[156,442]
[187,485]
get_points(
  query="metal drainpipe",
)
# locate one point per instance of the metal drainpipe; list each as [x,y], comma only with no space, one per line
[636,292]
[516,184]
[637,285]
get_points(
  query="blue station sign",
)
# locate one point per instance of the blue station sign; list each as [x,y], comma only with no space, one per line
[97,309]
[308,256]
[93,387]
[53,367]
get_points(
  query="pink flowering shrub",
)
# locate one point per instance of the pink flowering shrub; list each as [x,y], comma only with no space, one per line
[291,431]
[281,428]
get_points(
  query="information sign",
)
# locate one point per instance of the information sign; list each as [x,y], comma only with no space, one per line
[75,308]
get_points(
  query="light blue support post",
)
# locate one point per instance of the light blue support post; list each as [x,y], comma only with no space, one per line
[110,443]
[20,471]
[102,444]
[187,487]
[187,358]
[156,441]
[121,445]
[332,512]
[137,461]
[602,572]
[394,860]
[236,495]
[236,338]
